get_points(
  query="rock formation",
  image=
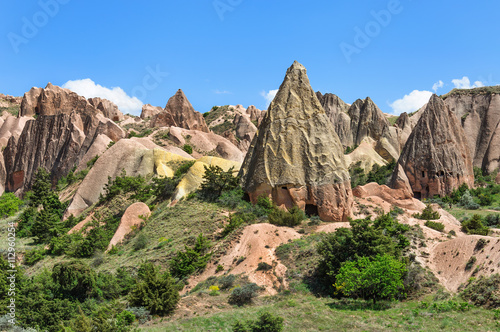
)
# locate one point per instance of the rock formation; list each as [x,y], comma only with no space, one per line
[66,128]
[180,113]
[337,111]
[148,111]
[108,108]
[297,158]
[436,158]
[478,110]
[133,217]
[404,126]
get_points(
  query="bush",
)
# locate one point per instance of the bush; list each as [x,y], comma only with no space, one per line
[266,322]
[377,278]
[184,168]
[480,244]
[438,226]
[9,205]
[125,318]
[292,217]
[187,148]
[227,281]
[470,263]
[76,280]
[467,202]
[243,295]
[141,241]
[158,293]
[475,226]
[217,181]
[191,260]
[483,291]
[365,238]
[263,266]
[33,256]
[427,214]
[492,220]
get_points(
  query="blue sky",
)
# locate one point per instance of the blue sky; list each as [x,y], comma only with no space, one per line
[237,51]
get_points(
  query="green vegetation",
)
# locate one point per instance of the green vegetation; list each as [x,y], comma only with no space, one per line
[290,218]
[475,225]
[9,205]
[12,109]
[377,278]
[427,214]
[438,226]
[485,90]
[244,294]
[191,260]
[158,293]
[216,181]
[266,322]
[378,174]
[187,148]
[483,291]
[350,149]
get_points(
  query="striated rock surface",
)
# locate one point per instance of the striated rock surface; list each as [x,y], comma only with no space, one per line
[337,111]
[296,157]
[67,127]
[436,158]
[108,108]
[149,111]
[180,113]
[478,110]
[404,127]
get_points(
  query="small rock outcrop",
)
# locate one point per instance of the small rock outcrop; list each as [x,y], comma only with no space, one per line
[296,157]
[180,113]
[108,108]
[134,216]
[148,111]
[436,158]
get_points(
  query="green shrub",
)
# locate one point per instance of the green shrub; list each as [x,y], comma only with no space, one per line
[227,281]
[187,148]
[92,162]
[9,205]
[158,293]
[480,244]
[438,226]
[125,318]
[76,280]
[475,226]
[492,220]
[191,260]
[33,256]
[235,221]
[243,295]
[266,322]
[263,266]
[377,278]
[141,241]
[470,263]
[184,168]
[483,291]
[292,217]
[467,202]
[217,181]
[427,214]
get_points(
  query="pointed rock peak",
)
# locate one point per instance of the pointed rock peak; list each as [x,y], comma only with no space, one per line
[49,86]
[297,65]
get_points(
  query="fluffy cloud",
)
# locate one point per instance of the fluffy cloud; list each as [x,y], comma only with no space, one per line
[464,83]
[269,96]
[439,84]
[411,102]
[90,89]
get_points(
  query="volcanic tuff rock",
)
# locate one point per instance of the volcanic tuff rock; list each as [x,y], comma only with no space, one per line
[436,159]
[479,112]
[180,113]
[58,139]
[149,111]
[296,157]
[336,111]
[108,108]
[405,127]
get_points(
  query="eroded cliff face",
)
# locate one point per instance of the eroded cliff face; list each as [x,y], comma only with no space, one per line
[66,127]
[296,157]
[479,113]
[436,158]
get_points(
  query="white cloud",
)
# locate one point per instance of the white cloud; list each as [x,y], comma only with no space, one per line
[90,89]
[464,83]
[269,96]
[411,102]
[439,84]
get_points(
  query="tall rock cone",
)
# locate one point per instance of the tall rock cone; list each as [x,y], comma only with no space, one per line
[297,158]
[436,158]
